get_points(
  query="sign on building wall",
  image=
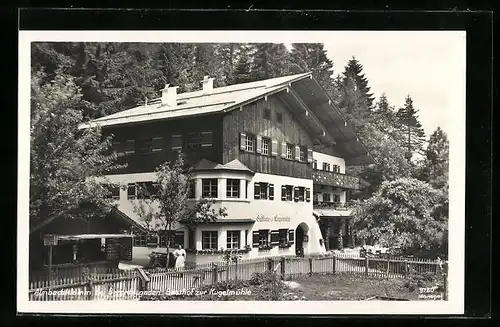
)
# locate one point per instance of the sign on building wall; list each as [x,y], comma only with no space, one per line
[262,218]
[49,240]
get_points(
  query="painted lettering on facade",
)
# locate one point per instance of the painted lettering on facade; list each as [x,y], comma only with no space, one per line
[262,218]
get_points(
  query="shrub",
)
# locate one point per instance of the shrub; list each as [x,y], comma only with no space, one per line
[262,278]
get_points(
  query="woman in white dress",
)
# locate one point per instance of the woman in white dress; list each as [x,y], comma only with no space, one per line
[180,257]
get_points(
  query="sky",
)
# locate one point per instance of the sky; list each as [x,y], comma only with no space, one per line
[428,66]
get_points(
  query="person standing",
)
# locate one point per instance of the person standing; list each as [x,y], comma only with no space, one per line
[180,258]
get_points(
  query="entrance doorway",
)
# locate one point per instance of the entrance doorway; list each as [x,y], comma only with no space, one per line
[300,233]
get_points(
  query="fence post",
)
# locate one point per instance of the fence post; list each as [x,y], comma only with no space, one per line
[366,265]
[445,281]
[283,271]
[236,268]
[387,270]
[310,266]
[214,273]
[405,268]
[334,263]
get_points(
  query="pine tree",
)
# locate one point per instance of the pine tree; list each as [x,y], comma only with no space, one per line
[270,60]
[226,57]
[411,128]
[312,57]
[354,70]
[176,62]
[242,72]
[436,163]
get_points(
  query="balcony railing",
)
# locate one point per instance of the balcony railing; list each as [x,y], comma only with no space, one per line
[335,179]
[331,205]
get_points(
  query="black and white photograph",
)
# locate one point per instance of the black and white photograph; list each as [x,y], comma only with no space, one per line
[220,171]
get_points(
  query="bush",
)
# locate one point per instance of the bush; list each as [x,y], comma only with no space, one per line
[262,278]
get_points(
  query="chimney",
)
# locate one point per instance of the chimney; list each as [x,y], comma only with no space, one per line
[208,85]
[169,96]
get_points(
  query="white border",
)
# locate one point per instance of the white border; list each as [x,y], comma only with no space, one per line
[455,304]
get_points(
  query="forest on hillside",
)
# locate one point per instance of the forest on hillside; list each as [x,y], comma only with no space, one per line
[76,81]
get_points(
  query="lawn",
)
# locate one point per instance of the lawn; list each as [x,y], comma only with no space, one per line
[313,288]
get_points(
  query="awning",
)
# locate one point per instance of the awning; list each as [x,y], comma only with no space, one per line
[331,213]
[233,221]
[51,239]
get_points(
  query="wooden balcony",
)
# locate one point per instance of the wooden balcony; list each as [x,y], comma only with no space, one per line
[335,179]
[330,205]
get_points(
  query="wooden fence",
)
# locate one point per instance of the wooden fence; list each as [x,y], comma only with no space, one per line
[130,285]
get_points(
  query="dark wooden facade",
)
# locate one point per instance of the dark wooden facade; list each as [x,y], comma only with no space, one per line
[251,120]
[165,129]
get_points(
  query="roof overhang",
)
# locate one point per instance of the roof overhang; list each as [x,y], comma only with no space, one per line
[318,101]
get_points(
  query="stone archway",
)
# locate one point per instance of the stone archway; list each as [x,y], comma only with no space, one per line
[301,233]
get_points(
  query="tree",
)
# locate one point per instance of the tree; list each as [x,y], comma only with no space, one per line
[436,163]
[312,57]
[169,206]
[65,162]
[354,70]
[176,62]
[411,128]
[242,73]
[400,214]
[270,60]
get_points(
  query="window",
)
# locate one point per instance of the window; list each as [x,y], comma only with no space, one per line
[283,236]
[286,193]
[206,139]
[289,151]
[250,143]
[246,189]
[326,166]
[279,117]
[267,113]
[176,142]
[233,188]
[299,193]
[118,147]
[179,238]
[336,198]
[315,164]
[192,189]
[326,197]
[193,140]
[209,188]
[266,145]
[144,145]
[113,192]
[263,237]
[209,240]
[140,240]
[233,239]
[129,147]
[302,154]
[157,144]
[263,191]
[131,192]
[316,197]
[336,169]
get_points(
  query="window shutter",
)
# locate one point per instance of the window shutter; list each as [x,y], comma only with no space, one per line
[256,191]
[243,141]
[283,150]
[176,142]
[283,193]
[308,195]
[296,193]
[271,191]
[291,235]
[275,237]
[259,144]
[309,155]
[206,139]
[297,152]
[255,239]
[274,148]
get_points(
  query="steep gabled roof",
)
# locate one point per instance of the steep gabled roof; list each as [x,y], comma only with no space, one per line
[197,103]
[304,95]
